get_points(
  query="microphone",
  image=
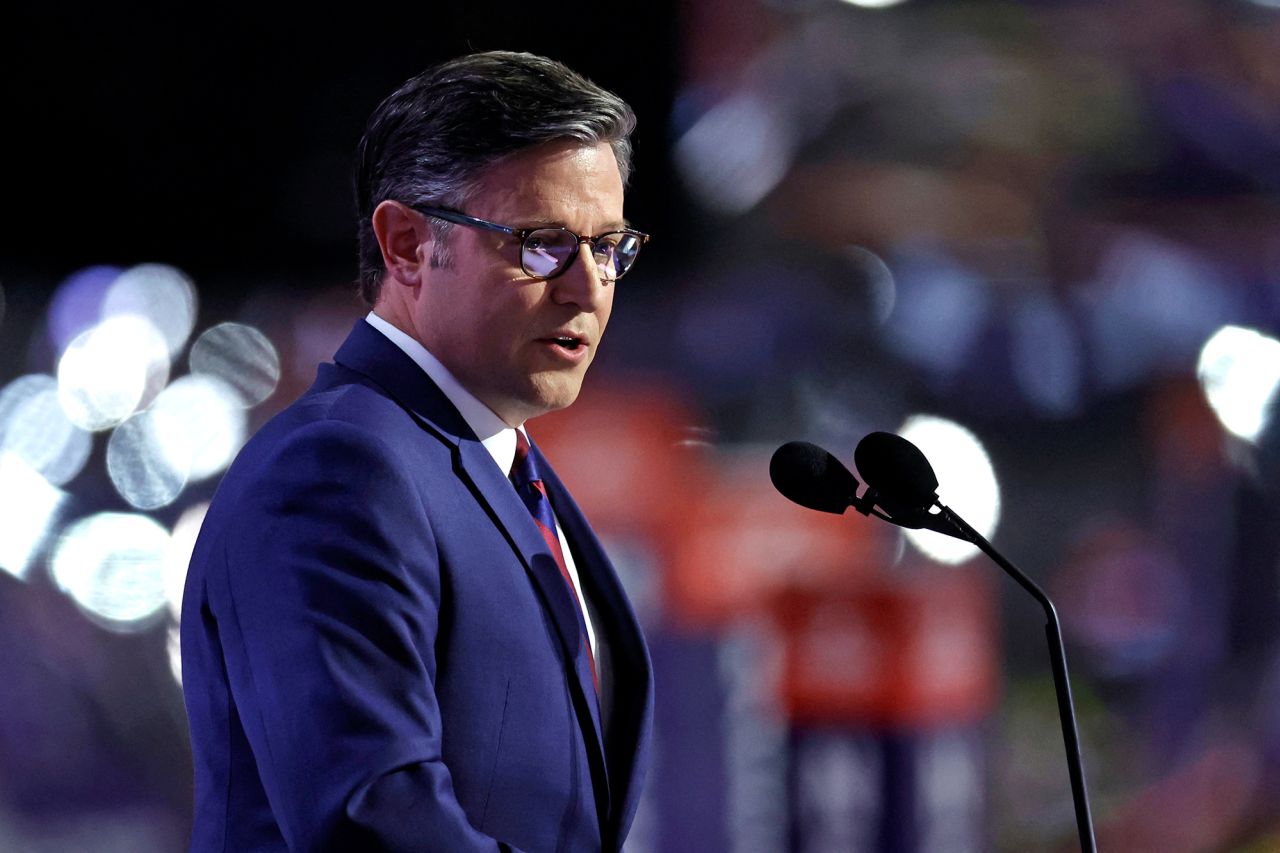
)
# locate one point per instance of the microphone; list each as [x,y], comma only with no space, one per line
[808,475]
[898,471]
[901,483]
[902,489]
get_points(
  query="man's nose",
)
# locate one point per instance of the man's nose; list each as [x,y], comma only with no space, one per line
[581,284]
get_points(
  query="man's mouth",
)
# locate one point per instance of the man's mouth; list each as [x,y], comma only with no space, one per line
[568,342]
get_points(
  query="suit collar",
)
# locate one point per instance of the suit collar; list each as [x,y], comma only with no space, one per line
[497,437]
[484,422]
[369,352]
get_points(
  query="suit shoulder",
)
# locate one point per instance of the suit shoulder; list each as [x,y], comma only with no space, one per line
[342,395]
[298,470]
[341,406]
[350,437]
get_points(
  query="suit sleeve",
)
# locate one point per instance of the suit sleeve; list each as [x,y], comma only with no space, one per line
[329,596]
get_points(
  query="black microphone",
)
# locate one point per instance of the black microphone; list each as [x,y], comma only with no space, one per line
[812,477]
[900,474]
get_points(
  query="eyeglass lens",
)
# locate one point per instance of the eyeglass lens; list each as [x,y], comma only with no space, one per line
[546,251]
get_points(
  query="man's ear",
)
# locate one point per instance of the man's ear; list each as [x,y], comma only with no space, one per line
[405,240]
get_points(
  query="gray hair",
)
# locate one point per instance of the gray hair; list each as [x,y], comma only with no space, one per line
[431,140]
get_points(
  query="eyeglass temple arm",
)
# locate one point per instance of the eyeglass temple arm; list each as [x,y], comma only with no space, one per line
[462,219]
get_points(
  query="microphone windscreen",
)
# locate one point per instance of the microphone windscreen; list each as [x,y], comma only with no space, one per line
[900,474]
[812,477]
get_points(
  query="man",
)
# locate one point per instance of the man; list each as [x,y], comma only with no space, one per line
[399,633]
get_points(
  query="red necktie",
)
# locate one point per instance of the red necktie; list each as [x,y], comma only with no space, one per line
[529,485]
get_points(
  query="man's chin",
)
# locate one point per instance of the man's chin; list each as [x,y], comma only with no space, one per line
[550,394]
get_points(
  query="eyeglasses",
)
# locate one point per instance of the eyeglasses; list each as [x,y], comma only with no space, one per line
[547,252]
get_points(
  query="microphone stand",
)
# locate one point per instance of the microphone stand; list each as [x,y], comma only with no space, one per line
[951,524]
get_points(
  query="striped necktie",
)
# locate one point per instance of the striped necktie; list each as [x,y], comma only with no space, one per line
[529,485]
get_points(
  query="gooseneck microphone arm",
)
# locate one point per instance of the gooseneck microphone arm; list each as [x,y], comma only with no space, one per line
[1058,659]
[902,483]
[901,488]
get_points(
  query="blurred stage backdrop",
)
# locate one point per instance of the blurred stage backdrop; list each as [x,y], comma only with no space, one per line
[1042,238]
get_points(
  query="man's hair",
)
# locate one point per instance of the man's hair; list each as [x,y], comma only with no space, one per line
[432,139]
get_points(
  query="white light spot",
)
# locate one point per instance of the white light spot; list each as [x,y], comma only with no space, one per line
[966,484]
[181,546]
[149,459]
[112,565]
[241,356]
[1239,371]
[28,507]
[173,645]
[200,422]
[162,295]
[110,370]
[874,4]
[34,428]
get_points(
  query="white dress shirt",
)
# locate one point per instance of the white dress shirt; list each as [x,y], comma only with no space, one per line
[497,438]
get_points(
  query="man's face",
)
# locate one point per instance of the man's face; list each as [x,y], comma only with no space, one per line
[493,326]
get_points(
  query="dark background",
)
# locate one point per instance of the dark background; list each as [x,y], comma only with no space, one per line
[221,139]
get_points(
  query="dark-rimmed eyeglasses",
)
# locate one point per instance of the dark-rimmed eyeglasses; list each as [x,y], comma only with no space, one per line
[547,252]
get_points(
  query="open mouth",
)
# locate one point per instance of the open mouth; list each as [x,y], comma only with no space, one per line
[567,342]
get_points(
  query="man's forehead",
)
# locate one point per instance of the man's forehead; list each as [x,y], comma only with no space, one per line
[547,183]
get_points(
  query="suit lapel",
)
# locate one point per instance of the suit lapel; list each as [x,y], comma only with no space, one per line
[369,352]
[632,706]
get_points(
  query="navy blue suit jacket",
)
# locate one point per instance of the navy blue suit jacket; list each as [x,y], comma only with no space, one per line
[379,652]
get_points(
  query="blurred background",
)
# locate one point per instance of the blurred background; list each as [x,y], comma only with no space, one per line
[1041,238]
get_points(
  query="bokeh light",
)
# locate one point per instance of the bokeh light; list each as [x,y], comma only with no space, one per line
[1239,371]
[241,356]
[881,287]
[34,427]
[110,370]
[1047,355]
[76,307]
[173,647]
[29,506]
[966,483]
[940,313]
[181,545]
[112,565]
[199,422]
[874,4]
[161,294]
[1153,304]
[149,459]
[735,153]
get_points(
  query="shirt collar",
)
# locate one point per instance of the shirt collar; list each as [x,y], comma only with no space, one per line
[493,432]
